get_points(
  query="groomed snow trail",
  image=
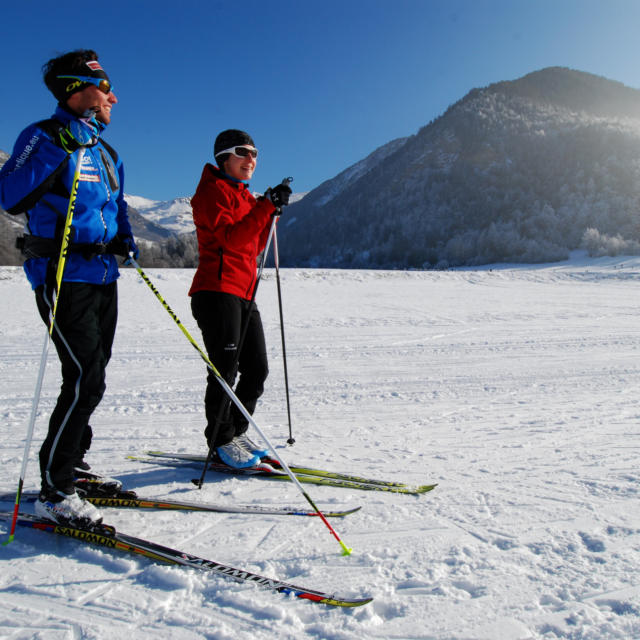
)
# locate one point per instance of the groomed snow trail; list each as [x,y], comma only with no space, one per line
[515,388]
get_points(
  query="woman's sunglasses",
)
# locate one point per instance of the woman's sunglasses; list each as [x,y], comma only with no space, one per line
[104,85]
[240,152]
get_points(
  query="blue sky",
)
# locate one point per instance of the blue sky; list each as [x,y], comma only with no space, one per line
[318,84]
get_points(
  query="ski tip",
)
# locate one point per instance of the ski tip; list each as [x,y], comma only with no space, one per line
[335,602]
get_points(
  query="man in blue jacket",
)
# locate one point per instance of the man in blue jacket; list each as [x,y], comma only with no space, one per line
[37,180]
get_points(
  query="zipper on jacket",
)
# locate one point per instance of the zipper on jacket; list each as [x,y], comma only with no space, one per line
[104,170]
[250,290]
[253,283]
[105,181]
[221,260]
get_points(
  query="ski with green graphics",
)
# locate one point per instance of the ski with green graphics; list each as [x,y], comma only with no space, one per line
[108,537]
[304,474]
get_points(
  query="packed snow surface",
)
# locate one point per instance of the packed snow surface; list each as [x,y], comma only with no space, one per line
[514,388]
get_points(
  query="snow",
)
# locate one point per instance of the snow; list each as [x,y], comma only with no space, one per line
[514,388]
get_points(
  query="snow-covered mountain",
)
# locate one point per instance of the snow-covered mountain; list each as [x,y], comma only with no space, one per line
[328,190]
[296,197]
[173,215]
[520,171]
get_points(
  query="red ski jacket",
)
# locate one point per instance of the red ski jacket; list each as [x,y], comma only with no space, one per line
[232,228]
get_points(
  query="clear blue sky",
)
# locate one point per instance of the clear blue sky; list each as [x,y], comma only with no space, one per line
[319,84]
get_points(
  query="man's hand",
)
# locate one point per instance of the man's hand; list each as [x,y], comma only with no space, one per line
[75,135]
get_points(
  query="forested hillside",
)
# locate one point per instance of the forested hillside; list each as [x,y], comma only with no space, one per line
[521,171]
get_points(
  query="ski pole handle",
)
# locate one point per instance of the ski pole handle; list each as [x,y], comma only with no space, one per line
[277,199]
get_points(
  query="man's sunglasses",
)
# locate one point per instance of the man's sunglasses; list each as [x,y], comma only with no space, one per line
[104,85]
[240,152]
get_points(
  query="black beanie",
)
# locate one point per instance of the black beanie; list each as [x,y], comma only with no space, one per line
[226,140]
[83,62]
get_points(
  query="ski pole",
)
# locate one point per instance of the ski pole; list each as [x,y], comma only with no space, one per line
[345,550]
[62,259]
[276,258]
[64,248]
[225,404]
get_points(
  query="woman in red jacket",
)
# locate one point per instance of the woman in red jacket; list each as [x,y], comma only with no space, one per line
[232,228]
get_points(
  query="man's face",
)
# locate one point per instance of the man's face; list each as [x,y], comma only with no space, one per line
[92,98]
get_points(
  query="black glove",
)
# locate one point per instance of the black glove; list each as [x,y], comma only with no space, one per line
[122,245]
[279,195]
[75,135]
[132,247]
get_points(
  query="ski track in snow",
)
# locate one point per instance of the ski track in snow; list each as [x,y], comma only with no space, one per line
[514,388]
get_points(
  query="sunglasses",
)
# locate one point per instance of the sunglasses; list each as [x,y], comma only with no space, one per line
[240,152]
[104,85]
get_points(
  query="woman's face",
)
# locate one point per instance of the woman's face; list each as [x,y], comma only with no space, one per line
[240,168]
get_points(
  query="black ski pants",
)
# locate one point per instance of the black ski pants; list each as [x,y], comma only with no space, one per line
[84,329]
[221,318]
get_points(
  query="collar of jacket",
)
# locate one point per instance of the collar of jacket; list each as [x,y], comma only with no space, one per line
[65,115]
[218,173]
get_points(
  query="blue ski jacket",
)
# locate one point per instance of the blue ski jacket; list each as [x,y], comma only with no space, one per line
[37,180]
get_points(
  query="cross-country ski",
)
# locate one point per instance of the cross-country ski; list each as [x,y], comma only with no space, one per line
[301,470]
[129,500]
[106,536]
[303,474]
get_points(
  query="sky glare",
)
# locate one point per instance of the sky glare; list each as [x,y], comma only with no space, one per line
[318,84]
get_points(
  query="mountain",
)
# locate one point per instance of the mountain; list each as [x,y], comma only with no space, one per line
[174,215]
[519,171]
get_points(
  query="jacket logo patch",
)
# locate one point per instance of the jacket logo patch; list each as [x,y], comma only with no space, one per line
[89,171]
